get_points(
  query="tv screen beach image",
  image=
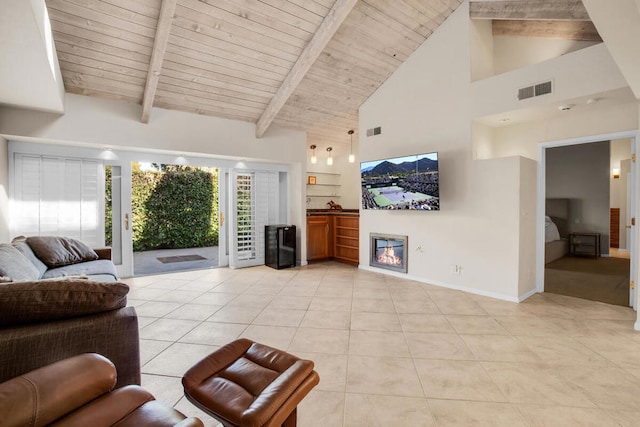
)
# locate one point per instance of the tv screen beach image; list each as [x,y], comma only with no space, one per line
[409,182]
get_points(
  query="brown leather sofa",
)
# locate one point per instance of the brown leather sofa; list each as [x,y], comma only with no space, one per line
[79,392]
[45,321]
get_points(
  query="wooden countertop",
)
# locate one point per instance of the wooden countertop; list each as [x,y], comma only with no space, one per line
[333,212]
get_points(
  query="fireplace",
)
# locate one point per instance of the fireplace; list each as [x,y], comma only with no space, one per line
[389,251]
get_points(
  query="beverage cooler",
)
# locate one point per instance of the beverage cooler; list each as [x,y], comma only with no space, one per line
[280,246]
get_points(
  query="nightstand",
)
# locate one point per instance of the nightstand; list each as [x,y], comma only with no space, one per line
[587,244]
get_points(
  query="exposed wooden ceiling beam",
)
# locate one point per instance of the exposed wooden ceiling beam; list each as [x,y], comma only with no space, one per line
[157,56]
[566,10]
[319,41]
[565,30]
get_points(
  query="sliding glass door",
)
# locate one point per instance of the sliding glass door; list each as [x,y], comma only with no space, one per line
[117,214]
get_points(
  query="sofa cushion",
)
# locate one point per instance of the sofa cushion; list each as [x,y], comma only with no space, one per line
[35,301]
[20,243]
[16,266]
[89,268]
[57,251]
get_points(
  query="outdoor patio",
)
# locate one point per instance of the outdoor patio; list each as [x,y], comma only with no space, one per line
[171,260]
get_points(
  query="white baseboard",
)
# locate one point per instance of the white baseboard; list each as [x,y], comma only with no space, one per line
[527,295]
[446,285]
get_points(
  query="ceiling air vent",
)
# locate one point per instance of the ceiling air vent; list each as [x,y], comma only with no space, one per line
[535,90]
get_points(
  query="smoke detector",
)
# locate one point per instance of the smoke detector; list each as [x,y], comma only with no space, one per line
[565,107]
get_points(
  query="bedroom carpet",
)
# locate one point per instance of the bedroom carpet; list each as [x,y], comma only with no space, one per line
[604,279]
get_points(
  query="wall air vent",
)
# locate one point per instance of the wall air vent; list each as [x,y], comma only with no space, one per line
[374,131]
[535,90]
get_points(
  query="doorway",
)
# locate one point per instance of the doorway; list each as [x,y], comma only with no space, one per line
[173,219]
[576,194]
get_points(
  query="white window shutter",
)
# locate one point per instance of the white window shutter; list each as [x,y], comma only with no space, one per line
[256,205]
[58,196]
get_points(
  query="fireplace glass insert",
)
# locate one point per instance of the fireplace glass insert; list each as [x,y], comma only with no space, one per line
[389,251]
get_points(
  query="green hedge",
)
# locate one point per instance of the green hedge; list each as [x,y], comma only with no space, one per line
[174,208]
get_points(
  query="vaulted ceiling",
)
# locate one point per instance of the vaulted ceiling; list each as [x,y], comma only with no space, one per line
[301,64]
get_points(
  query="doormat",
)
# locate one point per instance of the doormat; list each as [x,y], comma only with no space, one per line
[179,258]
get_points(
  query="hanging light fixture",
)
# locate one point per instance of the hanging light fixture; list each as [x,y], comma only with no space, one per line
[330,158]
[352,157]
[314,159]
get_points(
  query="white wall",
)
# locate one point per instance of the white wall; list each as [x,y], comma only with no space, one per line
[511,53]
[620,150]
[619,27]
[103,122]
[29,72]
[481,40]
[348,178]
[600,119]
[577,74]
[423,107]
[492,55]
[99,123]
[487,222]
[620,159]
[527,249]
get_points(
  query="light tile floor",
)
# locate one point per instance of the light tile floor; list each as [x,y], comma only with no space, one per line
[393,352]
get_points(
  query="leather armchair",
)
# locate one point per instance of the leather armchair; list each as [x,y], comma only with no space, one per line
[79,391]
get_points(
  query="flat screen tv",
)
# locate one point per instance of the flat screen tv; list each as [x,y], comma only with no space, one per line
[409,182]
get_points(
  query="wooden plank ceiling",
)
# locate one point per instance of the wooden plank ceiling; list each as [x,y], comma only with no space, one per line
[229,58]
[301,64]
[558,19]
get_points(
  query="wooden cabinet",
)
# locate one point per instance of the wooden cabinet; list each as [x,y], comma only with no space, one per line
[319,237]
[614,228]
[335,236]
[346,239]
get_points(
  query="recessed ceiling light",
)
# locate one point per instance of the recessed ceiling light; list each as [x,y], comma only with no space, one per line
[504,120]
[565,107]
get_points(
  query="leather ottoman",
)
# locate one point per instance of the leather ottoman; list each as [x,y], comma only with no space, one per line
[247,384]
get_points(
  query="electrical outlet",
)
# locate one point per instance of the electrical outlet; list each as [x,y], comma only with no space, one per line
[456,269]
[419,249]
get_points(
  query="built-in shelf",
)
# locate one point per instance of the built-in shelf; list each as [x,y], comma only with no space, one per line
[346,239]
[326,186]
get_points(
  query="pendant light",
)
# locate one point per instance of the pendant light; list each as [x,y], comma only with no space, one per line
[330,158]
[314,159]
[352,157]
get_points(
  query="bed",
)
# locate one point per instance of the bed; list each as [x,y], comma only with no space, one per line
[556,223]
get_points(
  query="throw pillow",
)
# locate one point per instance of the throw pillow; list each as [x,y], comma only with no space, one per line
[14,265]
[59,251]
[26,302]
[20,243]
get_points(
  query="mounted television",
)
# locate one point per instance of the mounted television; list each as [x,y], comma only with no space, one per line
[409,182]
